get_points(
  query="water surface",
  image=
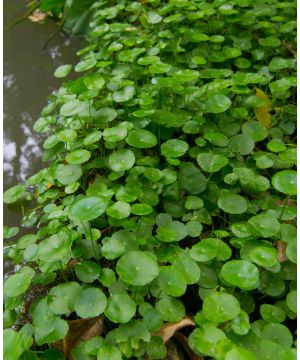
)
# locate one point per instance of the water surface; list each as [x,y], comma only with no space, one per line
[27,82]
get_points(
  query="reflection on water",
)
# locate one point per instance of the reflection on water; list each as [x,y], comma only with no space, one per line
[27,82]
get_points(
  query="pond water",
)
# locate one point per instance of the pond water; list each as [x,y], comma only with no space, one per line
[27,82]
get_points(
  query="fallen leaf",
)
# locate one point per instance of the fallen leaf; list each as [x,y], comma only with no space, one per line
[37,16]
[81,329]
[262,112]
[281,247]
[169,329]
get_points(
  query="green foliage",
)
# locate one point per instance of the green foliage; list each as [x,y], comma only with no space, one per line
[171,184]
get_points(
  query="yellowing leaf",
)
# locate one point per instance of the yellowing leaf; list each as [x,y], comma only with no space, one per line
[262,112]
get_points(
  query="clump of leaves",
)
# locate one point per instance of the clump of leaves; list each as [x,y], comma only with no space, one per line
[170,190]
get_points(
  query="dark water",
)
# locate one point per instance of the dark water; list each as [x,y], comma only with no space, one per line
[28,81]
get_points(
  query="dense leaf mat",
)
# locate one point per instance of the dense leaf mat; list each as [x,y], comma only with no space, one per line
[170,188]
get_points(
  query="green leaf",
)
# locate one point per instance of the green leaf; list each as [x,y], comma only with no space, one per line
[56,247]
[285,181]
[91,302]
[272,314]
[211,162]
[141,138]
[232,203]
[68,174]
[187,267]
[72,107]
[105,115]
[124,94]
[217,104]
[87,271]
[121,160]
[174,231]
[171,281]
[62,71]
[220,307]
[278,333]
[204,339]
[87,208]
[85,65]
[116,133]
[109,352]
[18,283]
[141,209]
[119,210]
[291,300]
[264,256]
[50,331]
[264,225]
[14,194]
[174,148]
[241,144]
[137,268]
[120,308]
[12,349]
[240,273]
[78,156]
[170,309]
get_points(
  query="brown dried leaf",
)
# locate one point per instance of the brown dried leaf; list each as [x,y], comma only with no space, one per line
[81,329]
[281,247]
[168,330]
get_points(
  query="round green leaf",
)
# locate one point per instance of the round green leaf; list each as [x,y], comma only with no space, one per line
[72,107]
[217,104]
[121,160]
[141,209]
[93,137]
[109,352]
[171,281]
[291,300]
[50,331]
[91,302]
[87,208]
[278,333]
[203,340]
[119,210]
[14,194]
[68,174]
[174,148]
[141,138]
[105,115]
[220,307]
[116,133]
[187,267]
[137,267]
[78,156]
[232,203]
[18,283]
[85,65]
[271,313]
[87,271]
[241,144]
[62,71]
[205,250]
[120,308]
[264,256]
[285,181]
[56,247]
[170,309]
[239,354]
[173,231]
[211,162]
[264,225]
[240,273]
[124,94]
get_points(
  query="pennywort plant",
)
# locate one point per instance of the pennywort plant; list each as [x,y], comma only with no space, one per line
[169,190]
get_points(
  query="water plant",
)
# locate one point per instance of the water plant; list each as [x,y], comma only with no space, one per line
[169,191]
